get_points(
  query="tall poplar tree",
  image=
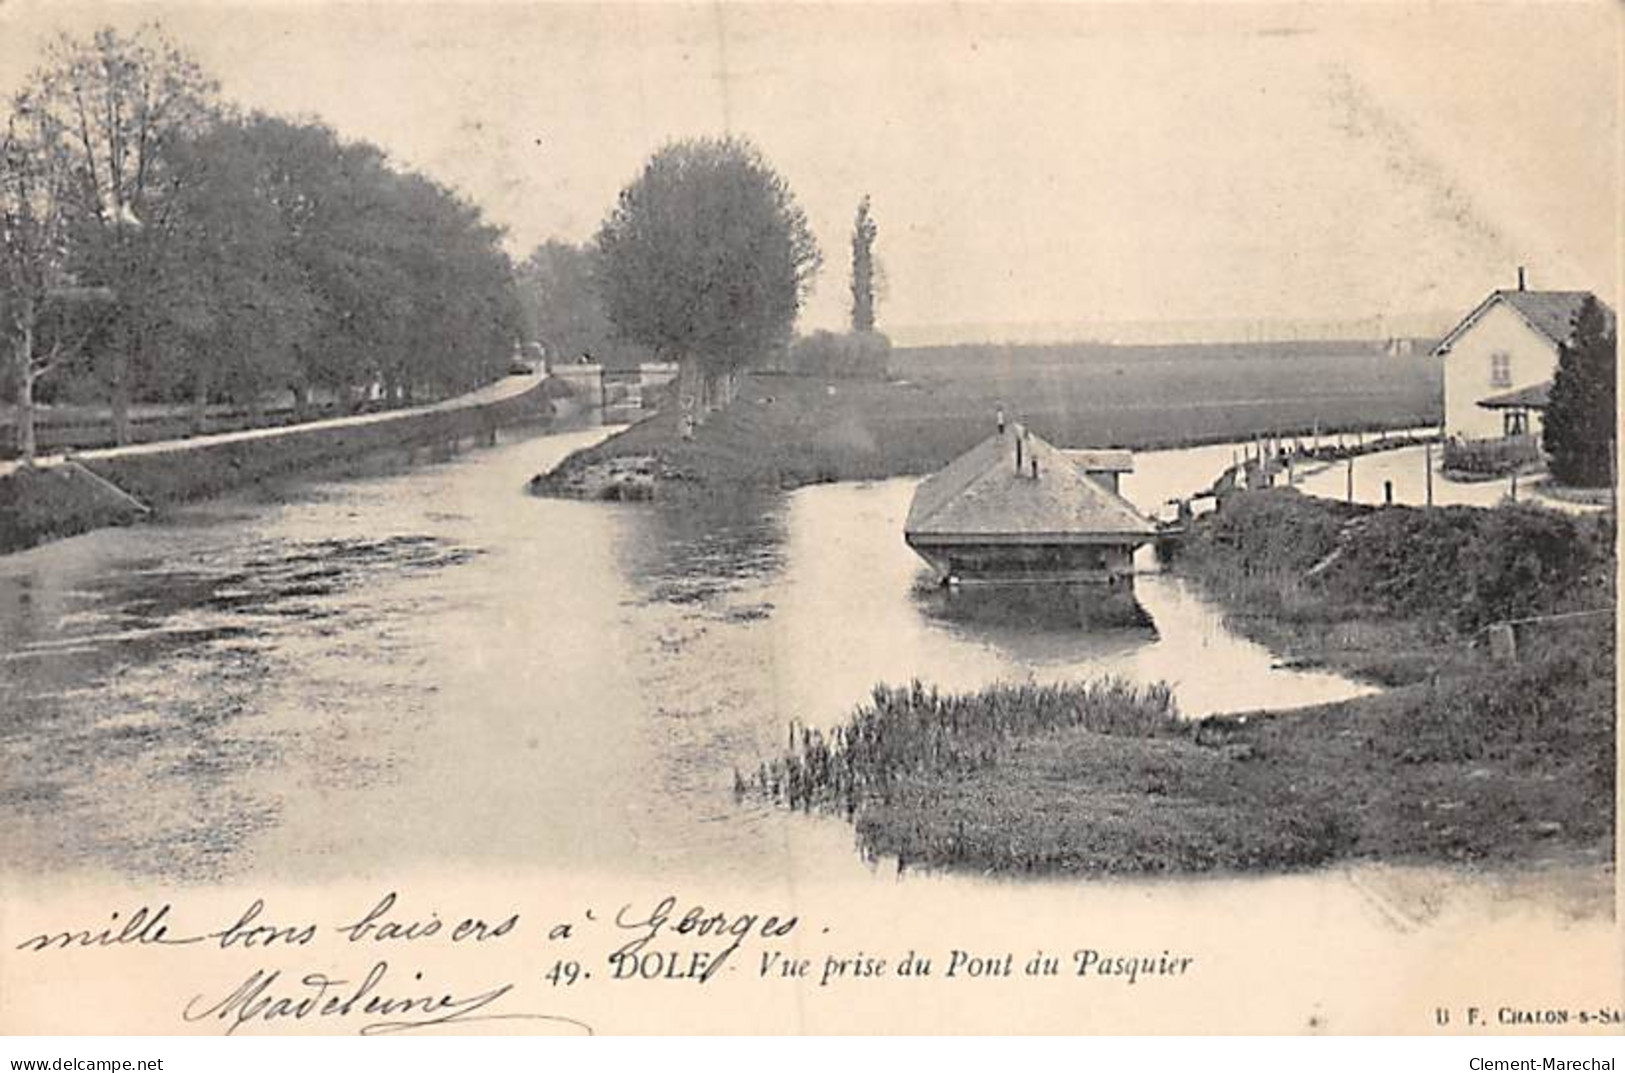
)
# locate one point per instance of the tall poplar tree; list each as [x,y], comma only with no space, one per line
[864,232]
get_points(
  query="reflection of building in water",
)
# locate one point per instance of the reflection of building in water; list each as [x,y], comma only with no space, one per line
[1016,511]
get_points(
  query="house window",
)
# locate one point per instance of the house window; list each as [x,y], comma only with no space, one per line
[1517,423]
[1500,369]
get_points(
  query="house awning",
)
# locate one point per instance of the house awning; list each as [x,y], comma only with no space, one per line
[1532,397]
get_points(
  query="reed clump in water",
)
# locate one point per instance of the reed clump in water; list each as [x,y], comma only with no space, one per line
[917,731]
[1098,777]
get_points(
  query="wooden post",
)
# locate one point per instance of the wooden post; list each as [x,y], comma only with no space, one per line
[1503,643]
[1427,469]
[1514,493]
[1387,493]
[1350,493]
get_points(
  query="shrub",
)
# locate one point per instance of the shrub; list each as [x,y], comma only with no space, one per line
[1459,568]
[852,355]
[1490,457]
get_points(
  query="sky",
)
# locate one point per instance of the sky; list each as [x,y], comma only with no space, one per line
[1057,165]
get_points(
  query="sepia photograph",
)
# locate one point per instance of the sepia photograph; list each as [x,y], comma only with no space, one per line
[775,518]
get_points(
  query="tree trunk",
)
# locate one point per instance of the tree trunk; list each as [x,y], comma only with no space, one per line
[200,402]
[27,444]
[690,391]
[120,395]
[716,390]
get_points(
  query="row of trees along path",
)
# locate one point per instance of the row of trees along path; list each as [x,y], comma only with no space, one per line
[158,244]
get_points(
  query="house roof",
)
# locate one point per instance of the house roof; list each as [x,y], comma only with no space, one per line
[1550,313]
[1532,397]
[980,494]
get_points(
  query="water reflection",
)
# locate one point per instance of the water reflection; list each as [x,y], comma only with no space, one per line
[850,613]
[692,548]
[1030,607]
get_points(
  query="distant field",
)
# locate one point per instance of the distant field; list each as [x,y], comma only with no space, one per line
[1155,396]
[792,430]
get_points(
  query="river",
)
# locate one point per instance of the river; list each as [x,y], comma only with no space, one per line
[269,684]
[427,671]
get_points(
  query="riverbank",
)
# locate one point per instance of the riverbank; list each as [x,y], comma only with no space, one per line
[1392,595]
[61,497]
[785,431]
[1466,758]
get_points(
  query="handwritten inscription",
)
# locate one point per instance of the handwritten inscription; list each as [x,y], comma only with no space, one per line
[635,959]
[265,998]
[639,944]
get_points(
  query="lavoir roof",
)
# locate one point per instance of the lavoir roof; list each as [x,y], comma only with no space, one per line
[983,496]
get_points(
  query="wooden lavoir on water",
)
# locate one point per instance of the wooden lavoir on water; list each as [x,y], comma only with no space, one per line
[1017,511]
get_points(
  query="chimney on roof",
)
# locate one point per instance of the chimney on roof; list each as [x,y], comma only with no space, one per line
[1520,277]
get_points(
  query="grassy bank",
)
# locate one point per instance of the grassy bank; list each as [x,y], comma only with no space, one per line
[785,431]
[37,505]
[48,503]
[1465,759]
[1393,595]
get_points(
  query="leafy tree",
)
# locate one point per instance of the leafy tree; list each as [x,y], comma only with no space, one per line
[564,311]
[864,232]
[307,176]
[706,258]
[1581,416]
[244,255]
[346,245]
[236,304]
[446,291]
[860,355]
[117,105]
[37,288]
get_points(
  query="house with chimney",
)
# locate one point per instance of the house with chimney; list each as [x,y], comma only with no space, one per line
[1500,360]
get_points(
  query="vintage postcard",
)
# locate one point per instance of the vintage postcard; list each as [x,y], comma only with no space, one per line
[808,518]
